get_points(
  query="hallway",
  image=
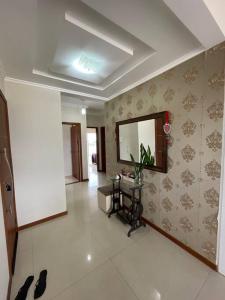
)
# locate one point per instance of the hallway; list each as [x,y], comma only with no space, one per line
[89,256]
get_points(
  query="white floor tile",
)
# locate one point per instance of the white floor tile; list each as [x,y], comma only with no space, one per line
[23,269]
[158,269]
[89,256]
[104,283]
[213,288]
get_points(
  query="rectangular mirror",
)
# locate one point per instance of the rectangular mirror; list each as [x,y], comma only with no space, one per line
[145,130]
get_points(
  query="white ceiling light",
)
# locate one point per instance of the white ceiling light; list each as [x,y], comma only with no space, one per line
[89,257]
[85,64]
[83,111]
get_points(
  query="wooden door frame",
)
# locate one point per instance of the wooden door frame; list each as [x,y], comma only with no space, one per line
[11,267]
[103,153]
[97,145]
[81,157]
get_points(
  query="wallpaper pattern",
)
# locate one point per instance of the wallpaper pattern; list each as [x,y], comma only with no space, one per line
[183,202]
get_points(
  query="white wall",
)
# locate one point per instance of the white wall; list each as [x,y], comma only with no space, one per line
[91,143]
[129,141]
[67,150]
[37,151]
[146,135]
[72,113]
[4,268]
[217,9]
[97,121]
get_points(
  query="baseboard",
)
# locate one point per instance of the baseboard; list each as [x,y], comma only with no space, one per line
[182,245]
[72,182]
[9,287]
[42,220]
[85,179]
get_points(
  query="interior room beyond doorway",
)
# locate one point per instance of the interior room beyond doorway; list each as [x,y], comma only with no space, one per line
[92,150]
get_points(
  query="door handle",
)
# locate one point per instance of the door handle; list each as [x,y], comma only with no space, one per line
[8,187]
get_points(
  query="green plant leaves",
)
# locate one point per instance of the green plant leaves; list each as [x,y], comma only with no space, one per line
[146,159]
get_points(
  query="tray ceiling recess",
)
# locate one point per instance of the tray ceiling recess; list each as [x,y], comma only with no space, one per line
[93,52]
[96,50]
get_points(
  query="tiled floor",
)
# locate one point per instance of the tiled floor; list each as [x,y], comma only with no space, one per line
[90,257]
[70,180]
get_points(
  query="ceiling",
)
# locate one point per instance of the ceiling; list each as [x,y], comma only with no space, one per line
[94,50]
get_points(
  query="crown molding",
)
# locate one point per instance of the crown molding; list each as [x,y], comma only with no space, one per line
[159,71]
[54,88]
[45,74]
[96,87]
[129,87]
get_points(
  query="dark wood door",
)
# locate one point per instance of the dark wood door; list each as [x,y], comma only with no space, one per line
[76,151]
[7,185]
[103,149]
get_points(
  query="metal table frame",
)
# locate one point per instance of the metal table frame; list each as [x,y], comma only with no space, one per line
[130,215]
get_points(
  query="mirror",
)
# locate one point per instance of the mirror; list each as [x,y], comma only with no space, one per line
[148,131]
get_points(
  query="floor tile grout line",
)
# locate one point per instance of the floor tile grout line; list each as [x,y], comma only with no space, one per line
[120,251]
[88,273]
[75,282]
[111,250]
[80,279]
[124,279]
[203,284]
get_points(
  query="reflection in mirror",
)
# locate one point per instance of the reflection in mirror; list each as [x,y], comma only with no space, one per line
[132,135]
[147,130]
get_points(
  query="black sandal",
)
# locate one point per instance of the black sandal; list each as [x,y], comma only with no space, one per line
[22,294]
[40,285]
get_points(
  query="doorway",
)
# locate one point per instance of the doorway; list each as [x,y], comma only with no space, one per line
[92,151]
[73,170]
[103,151]
[7,185]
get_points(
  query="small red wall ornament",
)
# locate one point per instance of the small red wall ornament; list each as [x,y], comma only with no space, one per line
[167,126]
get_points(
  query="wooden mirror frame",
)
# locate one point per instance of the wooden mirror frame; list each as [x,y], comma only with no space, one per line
[161,141]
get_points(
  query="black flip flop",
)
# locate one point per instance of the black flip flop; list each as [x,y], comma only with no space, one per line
[22,294]
[40,285]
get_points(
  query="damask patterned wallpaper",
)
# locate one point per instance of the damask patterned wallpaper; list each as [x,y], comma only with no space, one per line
[183,202]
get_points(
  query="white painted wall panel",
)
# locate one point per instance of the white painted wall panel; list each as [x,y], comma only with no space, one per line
[67,150]
[97,121]
[72,113]
[37,151]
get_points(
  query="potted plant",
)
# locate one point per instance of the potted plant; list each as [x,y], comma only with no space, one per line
[146,159]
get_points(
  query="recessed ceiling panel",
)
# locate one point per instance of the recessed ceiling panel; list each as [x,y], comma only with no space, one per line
[82,55]
[142,38]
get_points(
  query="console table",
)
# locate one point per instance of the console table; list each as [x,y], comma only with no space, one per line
[130,215]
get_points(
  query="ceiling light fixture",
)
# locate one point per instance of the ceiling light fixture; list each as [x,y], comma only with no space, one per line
[85,65]
[89,257]
[83,111]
